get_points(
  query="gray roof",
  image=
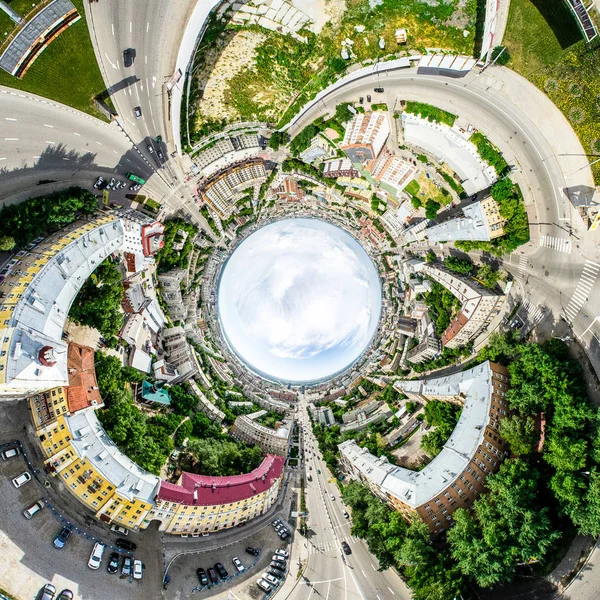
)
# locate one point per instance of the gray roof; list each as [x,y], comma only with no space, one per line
[473,227]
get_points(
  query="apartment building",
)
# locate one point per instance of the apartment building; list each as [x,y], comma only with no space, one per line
[204,504]
[142,238]
[275,441]
[365,136]
[319,147]
[180,354]
[93,469]
[290,191]
[481,221]
[360,418]
[222,190]
[456,476]
[340,167]
[429,347]
[392,171]
[37,287]
[208,408]
[323,415]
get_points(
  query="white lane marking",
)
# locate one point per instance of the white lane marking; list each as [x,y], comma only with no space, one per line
[391,590]
[328,588]
[582,291]
[373,567]
[65,158]
[592,324]
[47,142]
[11,139]
[147,88]
[3,158]
[147,26]
[112,64]
[130,26]
[99,143]
[153,81]
[560,244]
[75,133]
[9,119]
[364,574]
[113,28]
[145,59]
[50,126]
[37,157]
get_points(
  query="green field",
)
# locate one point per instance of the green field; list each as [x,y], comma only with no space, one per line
[546,47]
[66,71]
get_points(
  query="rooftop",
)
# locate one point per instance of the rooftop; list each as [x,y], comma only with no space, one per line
[152,393]
[83,388]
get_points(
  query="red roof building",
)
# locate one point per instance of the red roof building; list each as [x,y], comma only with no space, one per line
[83,388]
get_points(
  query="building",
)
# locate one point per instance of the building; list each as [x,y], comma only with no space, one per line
[224,189]
[83,389]
[407,326]
[340,167]
[479,305]
[482,221]
[180,354]
[170,289]
[78,450]
[154,394]
[392,171]
[429,347]
[456,476]
[143,236]
[290,191]
[274,441]
[204,504]
[360,418]
[396,219]
[319,148]
[324,416]
[365,136]
[213,412]
[37,287]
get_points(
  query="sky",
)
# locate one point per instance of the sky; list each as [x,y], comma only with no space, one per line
[299,300]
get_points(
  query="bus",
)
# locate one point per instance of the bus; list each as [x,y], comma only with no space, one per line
[135,178]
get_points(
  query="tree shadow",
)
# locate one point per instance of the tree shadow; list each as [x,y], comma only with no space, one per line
[561,20]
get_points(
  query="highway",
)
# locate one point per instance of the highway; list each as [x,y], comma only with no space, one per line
[328,572]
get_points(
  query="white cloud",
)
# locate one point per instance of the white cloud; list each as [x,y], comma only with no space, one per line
[299,300]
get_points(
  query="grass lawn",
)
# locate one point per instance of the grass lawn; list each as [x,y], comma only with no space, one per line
[412,188]
[6,25]
[66,71]
[22,7]
[546,47]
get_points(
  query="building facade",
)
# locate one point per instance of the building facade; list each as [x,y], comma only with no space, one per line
[365,136]
[274,441]
[456,476]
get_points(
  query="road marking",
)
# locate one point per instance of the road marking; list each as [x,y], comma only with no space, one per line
[112,64]
[145,59]
[65,158]
[391,590]
[147,26]
[3,158]
[153,81]
[11,139]
[591,325]
[47,142]
[582,291]
[373,567]
[75,133]
[37,157]
[99,144]
[9,119]
[535,313]
[147,88]
[50,126]
[522,264]
[364,574]
[113,28]
[556,243]
[130,26]
[328,588]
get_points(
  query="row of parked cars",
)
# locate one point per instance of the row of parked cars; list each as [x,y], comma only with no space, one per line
[281,529]
[205,577]
[48,592]
[114,184]
[276,571]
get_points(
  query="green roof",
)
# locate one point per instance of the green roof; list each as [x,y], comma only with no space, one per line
[152,393]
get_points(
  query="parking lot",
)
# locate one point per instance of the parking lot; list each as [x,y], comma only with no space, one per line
[184,580]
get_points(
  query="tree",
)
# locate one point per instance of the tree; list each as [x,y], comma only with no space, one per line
[278,138]
[519,433]
[501,55]
[416,202]
[459,265]
[343,113]
[182,402]
[430,256]
[487,276]
[431,209]
[6,243]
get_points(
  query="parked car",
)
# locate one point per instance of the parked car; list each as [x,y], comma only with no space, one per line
[278,564]
[22,479]
[276,522]
[65,595]
[284,534]
[138,112]
[346,548]
[32,510]
[238,564]
[47,592]
[137,568]
[368,98]
[253,551]
[361,99]
[135,187]
[270,578]
[99,182]
[278,557]
[379,90]
[113,563]
[111,183]
[212,574]
[96,556]
[263,585]
[282,552]
[221,570]
[127,564]
[61,539]
[119,529]
[276,572]
[126,545]
[10,453]
[202,578]
[332,496]
[159,139]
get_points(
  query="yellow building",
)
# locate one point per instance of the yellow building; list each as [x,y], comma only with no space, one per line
[46,407]
[203,504]
[79,451]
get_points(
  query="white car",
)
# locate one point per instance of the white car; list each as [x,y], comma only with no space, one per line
[269,578]
[120,530]
[10,453]
[22,479]
[332,496]
[238,564]
[283,553]
[96,556]
[263,585]
[278,557]
[137,569]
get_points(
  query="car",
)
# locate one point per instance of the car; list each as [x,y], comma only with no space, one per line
[282,552]
[113,563]
[221,570]
[150,148]
[368,98]
[332,496]
[310,467]
[65,595]
[160,154]
[253,551]
[473,197]
[276,522]
[361,100]
[279,527]
[212,574]
[138,112]
[279,557]
[127,564]
[22,479]
[202,578]
[277,564]
[128,56]
[47,592]
[238,564]
[276,572]
[99,182]
[119,529]
[345,513]
[346,548]
[270,578]
[135,187]
[96,556]
[284,534]
[159,139]
[10,453]
[61,539]
[32,510]
[137,568]
[205,534]
[111,183]
[126,545]
[379,90]
[263,585]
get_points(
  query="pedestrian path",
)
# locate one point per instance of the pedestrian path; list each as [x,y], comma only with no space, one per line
[534,313]
[522,265]
[559,244]
[331,545]
[583,289]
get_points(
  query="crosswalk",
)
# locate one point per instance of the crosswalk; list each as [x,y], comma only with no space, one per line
[582,291]
[534,313]
[320,547]
[522,265]
[559,244]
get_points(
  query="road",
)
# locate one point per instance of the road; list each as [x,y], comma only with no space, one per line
[329,573]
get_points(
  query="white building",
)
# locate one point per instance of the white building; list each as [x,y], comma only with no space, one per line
[319,148]
[365,136]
